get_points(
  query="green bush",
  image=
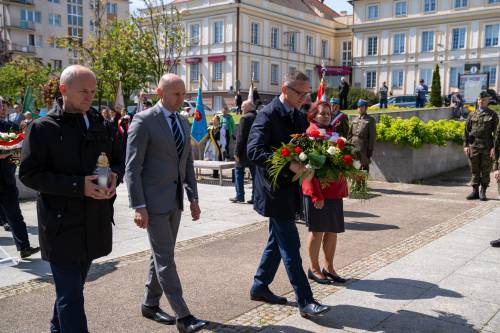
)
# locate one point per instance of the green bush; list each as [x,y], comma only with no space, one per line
[354,95]
[414,132]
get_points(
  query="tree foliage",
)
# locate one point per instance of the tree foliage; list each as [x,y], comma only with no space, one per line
[21,73]
[436,99]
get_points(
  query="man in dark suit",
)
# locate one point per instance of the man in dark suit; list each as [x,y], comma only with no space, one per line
[9,195]
[159,167]
[75,214]
[240,153]
[273,126]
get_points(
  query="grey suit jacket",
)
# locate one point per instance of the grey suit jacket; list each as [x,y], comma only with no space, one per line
[153,168]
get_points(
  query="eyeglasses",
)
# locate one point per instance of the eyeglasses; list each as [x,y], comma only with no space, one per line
[299,93]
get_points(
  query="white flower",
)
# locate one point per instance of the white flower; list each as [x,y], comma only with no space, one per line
[309,166]
[332,150]
[302,156]
[4,136]
[12,136]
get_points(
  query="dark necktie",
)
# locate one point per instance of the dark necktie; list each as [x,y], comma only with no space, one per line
[177,133]
[292,113]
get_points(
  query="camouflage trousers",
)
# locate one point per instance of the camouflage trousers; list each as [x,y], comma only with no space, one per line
[480,164]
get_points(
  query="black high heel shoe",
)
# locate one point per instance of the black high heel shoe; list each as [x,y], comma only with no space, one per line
[334,278]
[319,280]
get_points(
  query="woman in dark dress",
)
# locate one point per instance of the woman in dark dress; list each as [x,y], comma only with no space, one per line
[323,207]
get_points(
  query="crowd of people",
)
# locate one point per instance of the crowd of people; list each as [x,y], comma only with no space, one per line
[151,151]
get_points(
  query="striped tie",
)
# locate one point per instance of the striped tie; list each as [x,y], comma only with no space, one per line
[177,134]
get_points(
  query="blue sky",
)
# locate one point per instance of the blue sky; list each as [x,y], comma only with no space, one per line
[337,5]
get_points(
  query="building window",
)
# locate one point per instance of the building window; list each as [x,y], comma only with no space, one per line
[194,72]
[372,12]
[292,41]
[111,8]
[460,3]
[55,1]
[458,38]
[490,2]
[292,69]
[275,38]
[309,45]
[57,64]
[346,53]
[372,46]
[492,69]
[194,35]
[218,32]
[255,70]
[55,20]
[324,49]
[400,8]
[398,43]
[429,6]
[255,37]
[217,71]
[397,79]
[491,33]
[275,74]
[427,41]
[453,77]
[75,14]
[371,79]
[426,75]
[309,74]
[31,16]
[31,40]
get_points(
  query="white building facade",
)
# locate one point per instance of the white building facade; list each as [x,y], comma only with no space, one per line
[400,42]
[232,42]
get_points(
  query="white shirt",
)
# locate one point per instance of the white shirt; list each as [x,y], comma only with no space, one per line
[167,114]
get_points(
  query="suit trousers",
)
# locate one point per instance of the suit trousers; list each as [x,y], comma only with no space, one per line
[283,243]
[163,278]
[9,204]
[69,311]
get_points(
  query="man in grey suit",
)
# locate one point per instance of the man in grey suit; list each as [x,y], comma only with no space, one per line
[159,166]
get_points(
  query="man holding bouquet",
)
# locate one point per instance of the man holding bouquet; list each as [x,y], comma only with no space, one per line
[273,126]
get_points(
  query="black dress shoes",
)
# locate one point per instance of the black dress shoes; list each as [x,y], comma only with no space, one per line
[334,278]
[317,279]
[313,309]
[266,295]
[29,252]
[190,324]
[250,202]
[157,314]
[236,200]
[495,243]
[6,227]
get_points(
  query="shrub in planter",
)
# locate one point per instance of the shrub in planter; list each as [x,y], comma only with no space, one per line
[414,132]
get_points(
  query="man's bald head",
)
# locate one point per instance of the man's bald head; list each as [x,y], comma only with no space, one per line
[73,72]
[171,90]
[247,106]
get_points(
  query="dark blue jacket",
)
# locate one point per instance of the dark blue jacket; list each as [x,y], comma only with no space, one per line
[272,127]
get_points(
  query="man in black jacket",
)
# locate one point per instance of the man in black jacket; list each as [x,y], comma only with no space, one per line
[74,213]
[272,127]
[240,153]
[9,195]
[343,93]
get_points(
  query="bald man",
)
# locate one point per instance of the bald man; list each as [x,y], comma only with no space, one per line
[75,214]
[159,168]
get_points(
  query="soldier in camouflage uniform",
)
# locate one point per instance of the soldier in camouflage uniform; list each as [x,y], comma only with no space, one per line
[362,135]
[479,140]
[340,121]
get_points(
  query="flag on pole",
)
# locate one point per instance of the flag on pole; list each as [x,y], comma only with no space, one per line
[119,100]
[250,92]
[28,102]
[199,128]
[321,92]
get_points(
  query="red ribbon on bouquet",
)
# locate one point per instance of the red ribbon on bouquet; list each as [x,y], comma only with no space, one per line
[14,142]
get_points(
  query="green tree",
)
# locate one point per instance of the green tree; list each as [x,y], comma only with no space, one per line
[436,99]
[162,36]
[19,74]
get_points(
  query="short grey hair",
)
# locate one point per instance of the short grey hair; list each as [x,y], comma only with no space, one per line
[69,74]
[294,76]
[249,103]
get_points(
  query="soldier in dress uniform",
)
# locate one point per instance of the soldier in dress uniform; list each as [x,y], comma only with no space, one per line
[340,121]
[479,140]
[362,135]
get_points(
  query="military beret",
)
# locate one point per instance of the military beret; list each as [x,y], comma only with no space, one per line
[362,102]
[334,101]
[484,94]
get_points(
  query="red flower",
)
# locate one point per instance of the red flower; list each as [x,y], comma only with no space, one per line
[315,134]
[340,143]
[297,150]
[285,152]
[347,160]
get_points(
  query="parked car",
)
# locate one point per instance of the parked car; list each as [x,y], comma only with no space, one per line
[403,101]
[188,107]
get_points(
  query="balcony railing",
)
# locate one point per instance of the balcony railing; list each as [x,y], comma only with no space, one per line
[20,24]
[22,48]
[21,2]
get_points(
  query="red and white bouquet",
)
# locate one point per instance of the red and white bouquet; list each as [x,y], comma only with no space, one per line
[326,157]
[11,143]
